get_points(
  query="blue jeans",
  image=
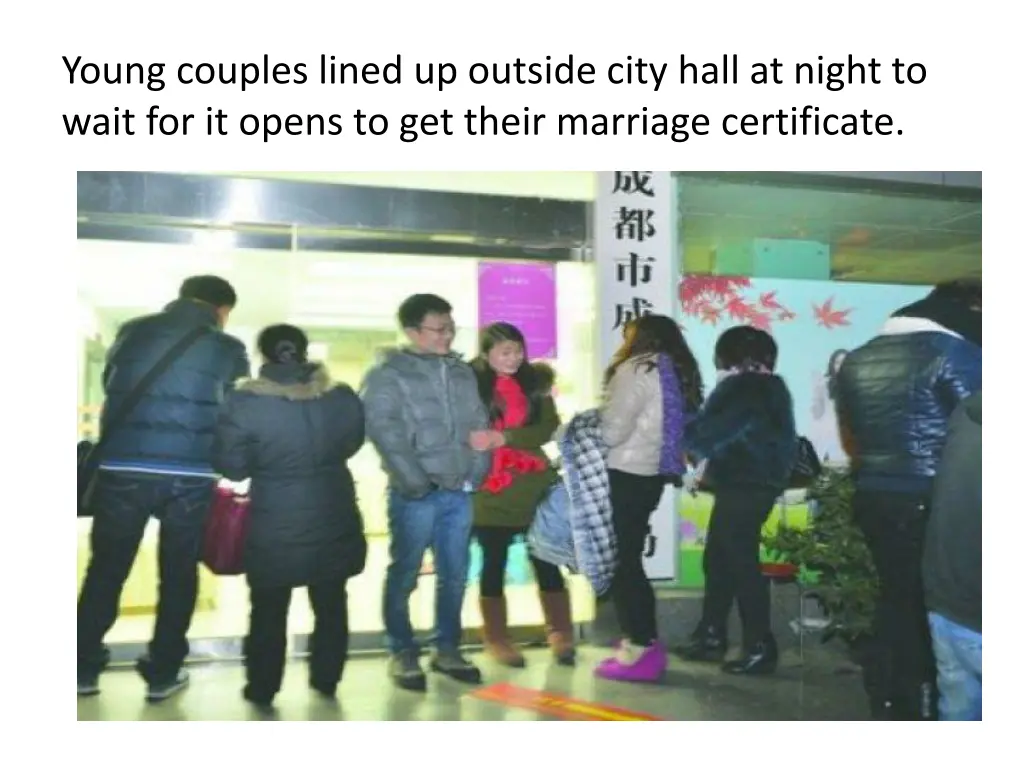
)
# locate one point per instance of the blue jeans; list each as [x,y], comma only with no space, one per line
[124,502]
[441,521]
[958,659]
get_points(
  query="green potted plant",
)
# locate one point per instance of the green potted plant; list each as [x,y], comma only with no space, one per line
[833,559]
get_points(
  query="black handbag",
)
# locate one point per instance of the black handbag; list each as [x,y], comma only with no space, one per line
[807,467]
[89,452]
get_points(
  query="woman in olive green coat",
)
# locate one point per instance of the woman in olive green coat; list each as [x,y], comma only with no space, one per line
[523,420]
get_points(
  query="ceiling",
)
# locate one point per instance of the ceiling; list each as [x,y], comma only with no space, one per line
[552,185]
[872,237]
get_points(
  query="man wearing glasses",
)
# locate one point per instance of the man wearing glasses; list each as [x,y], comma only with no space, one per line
[425,417]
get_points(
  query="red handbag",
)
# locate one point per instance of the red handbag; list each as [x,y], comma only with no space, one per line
[224,541]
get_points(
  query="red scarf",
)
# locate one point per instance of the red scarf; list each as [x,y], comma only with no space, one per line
[507,462]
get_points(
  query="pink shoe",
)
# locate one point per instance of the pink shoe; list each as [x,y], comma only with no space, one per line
[635,665]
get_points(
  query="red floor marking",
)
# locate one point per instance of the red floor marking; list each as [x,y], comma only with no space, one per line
[554,704]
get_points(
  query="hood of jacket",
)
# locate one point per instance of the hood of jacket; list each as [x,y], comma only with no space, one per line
[956,318]
[300,381]
[405,359]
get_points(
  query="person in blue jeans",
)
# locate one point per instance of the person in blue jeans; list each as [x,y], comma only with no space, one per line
[427,422]
[951,567]
[157,464]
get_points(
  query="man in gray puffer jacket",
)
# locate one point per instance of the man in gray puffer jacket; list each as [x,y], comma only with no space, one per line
[425,417]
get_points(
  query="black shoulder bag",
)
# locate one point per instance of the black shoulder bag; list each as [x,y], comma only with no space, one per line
[807,467]
[89,452]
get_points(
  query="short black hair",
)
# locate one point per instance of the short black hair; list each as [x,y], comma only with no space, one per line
[966,291]
[745,347]
[208,289]
[414,309]
[283,344]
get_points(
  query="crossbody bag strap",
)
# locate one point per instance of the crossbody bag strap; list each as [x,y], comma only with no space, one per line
[139,390]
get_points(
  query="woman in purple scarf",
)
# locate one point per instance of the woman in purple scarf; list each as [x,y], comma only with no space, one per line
[653,388]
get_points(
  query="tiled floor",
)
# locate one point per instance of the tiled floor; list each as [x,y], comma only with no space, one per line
[822,689]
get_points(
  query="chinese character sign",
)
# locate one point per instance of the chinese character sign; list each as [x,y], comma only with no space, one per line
[637,270]
[523,295]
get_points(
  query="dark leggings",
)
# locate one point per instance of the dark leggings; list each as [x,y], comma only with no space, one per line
[267,642]
[732,562]
[634,499]
[495,543]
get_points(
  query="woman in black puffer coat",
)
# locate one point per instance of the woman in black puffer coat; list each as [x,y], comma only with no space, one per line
[291,431]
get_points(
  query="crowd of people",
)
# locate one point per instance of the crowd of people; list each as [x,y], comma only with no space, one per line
[462,444]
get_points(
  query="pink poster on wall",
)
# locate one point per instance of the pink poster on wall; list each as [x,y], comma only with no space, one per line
[523,295]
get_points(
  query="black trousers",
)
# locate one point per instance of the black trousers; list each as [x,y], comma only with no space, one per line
[634,499]
[902,661]
[267,642]
[732,562]
[494,545]
[124,504]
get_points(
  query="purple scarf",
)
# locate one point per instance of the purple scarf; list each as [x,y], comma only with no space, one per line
[673,421]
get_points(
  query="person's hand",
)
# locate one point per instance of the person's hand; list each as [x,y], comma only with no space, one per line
[481,440]
[497,439]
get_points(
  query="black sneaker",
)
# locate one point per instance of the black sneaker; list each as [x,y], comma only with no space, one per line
[453,664]
[258,700]
[326,690]
[88,685]
[405,670]
[161,691]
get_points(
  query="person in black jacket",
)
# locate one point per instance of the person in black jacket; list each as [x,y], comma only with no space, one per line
[746,434]
[952,566]
[157,463]
[894,399]
[292,431]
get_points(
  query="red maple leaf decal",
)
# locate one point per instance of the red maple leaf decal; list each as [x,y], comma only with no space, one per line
[711,315]
[828,317]
[761,320]
[697,306]
[768,301]
[691,288]
[713,298]
[737,308]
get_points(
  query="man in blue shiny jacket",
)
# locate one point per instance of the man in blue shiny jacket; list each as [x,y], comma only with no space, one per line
[895,397]
[157,463]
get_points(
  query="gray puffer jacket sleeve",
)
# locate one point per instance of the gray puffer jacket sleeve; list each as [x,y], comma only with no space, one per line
[387,430]
[481,460]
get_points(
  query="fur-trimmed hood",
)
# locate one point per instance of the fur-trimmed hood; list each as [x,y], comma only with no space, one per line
[317,385]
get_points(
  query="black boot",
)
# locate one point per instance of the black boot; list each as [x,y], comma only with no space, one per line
[761,659]
[705,644]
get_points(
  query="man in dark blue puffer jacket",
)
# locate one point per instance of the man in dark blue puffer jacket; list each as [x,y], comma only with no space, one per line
[895,397]
[157,463]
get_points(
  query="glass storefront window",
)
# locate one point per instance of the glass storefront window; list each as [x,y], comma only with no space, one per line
[347,303]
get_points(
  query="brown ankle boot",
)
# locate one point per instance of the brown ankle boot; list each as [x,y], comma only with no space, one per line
[496,640]
[558,616]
